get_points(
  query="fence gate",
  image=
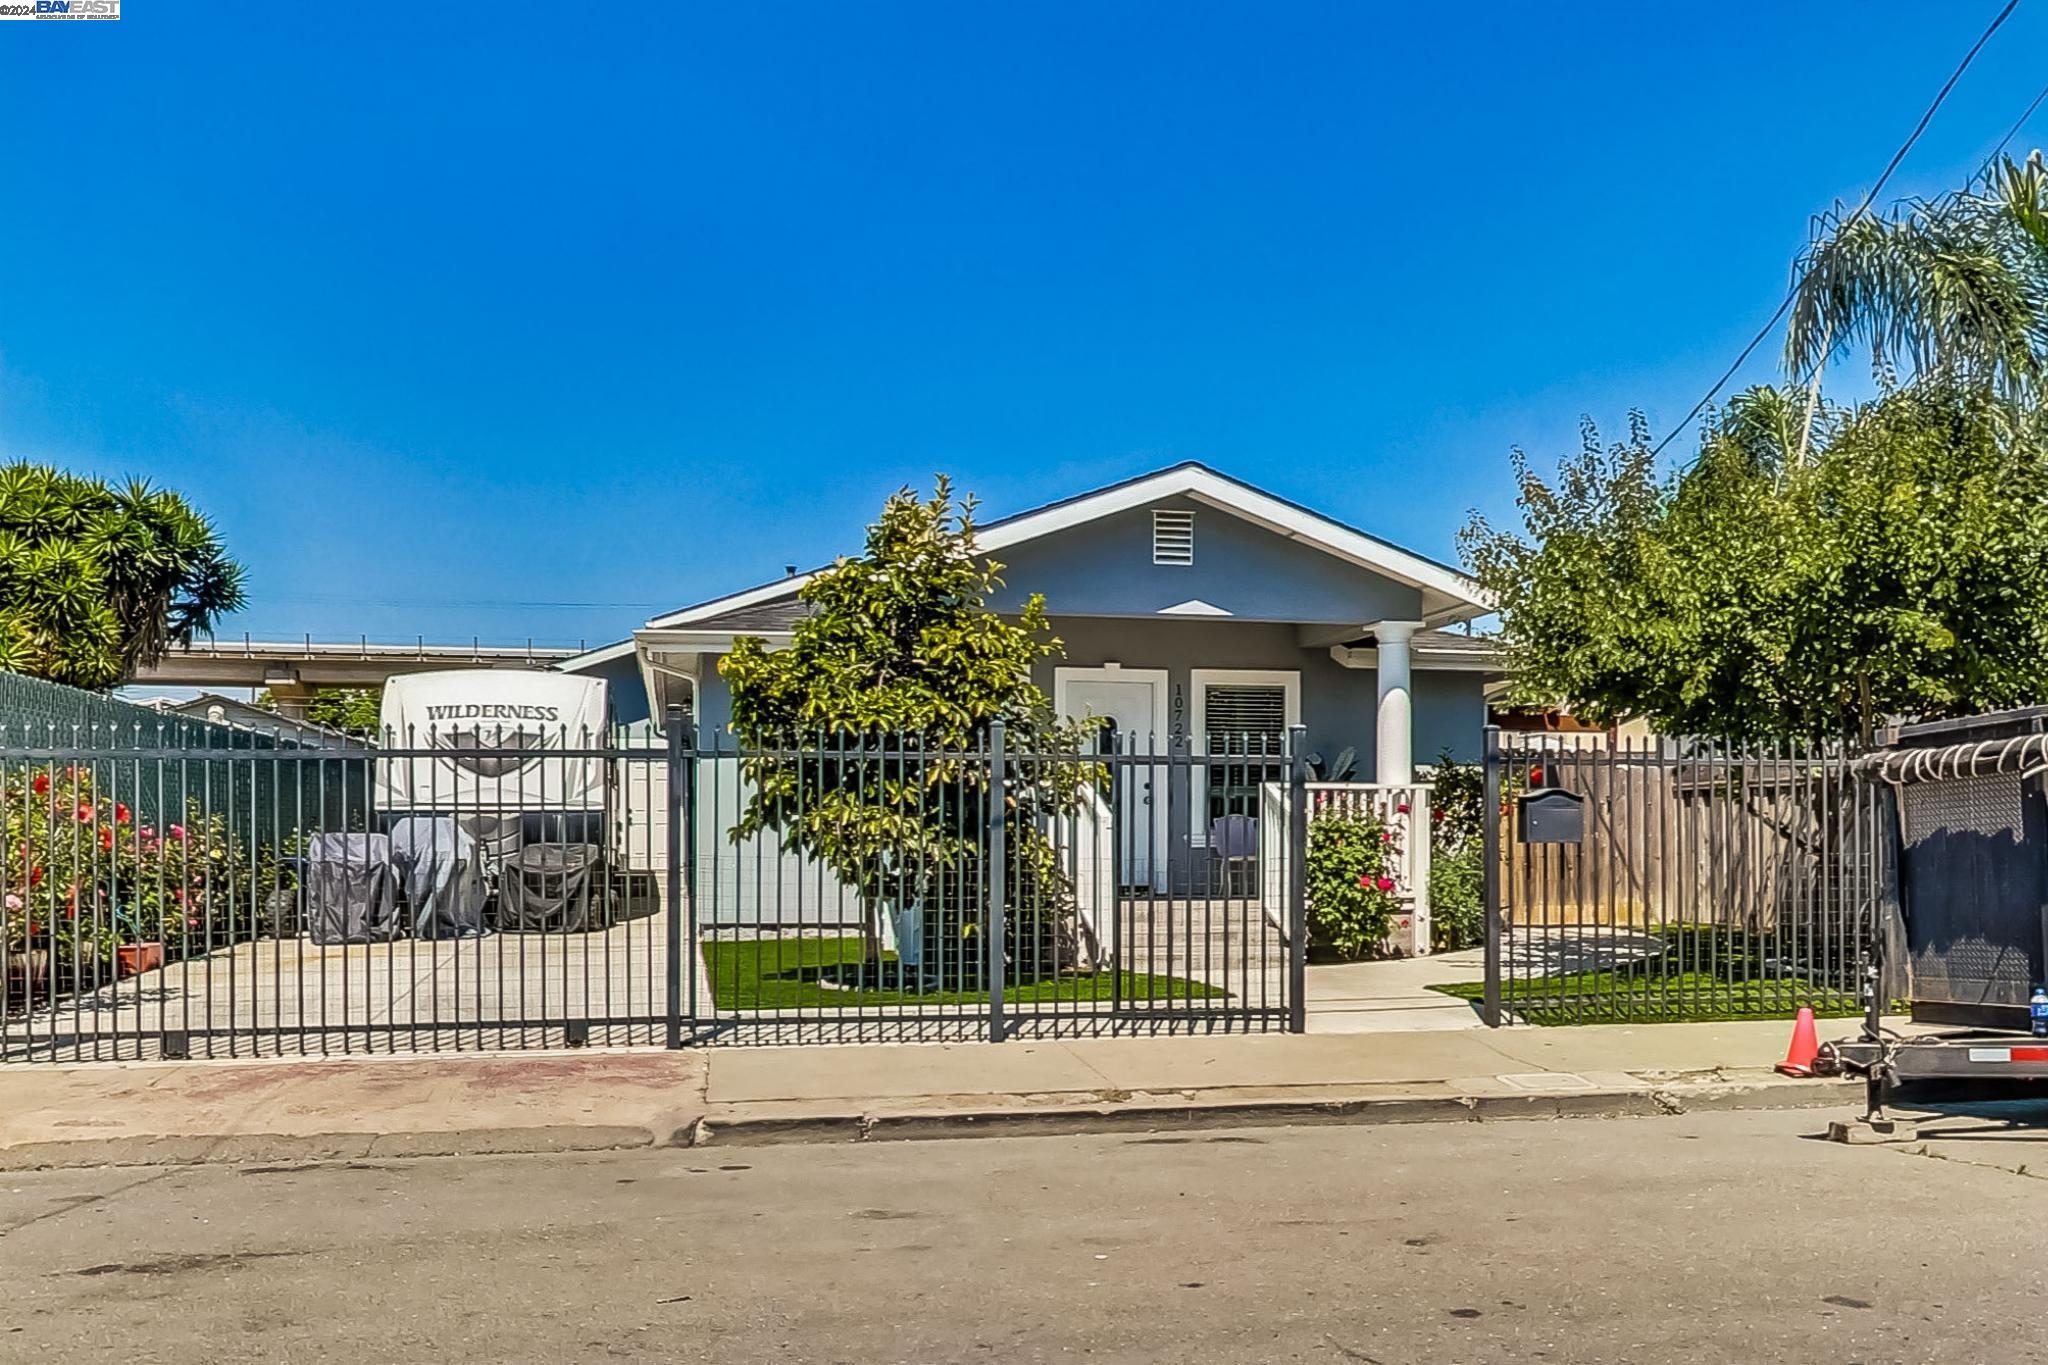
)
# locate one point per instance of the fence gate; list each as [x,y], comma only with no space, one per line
[1704,881]
[188,892]
[179,891]
[1019,894]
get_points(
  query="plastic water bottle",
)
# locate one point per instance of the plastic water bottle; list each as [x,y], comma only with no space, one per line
[2037,1008]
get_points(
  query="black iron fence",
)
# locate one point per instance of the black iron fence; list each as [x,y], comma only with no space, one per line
[1677,880]
[1017,893]
[540,889]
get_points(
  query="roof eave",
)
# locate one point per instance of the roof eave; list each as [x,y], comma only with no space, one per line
[1458,597]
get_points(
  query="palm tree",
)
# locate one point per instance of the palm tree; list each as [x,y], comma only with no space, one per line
[1954,287]
[98,581]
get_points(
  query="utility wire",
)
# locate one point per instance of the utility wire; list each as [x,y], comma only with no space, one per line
[1786,305]
[2010,134]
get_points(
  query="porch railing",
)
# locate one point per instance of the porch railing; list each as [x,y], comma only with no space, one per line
[1403,809]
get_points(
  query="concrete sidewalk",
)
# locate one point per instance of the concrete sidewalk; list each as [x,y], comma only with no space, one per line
[175,1112]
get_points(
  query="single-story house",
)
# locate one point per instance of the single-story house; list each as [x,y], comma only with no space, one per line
[1195,610]
[216,709]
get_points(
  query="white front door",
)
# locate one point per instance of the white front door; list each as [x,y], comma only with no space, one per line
[1132,704]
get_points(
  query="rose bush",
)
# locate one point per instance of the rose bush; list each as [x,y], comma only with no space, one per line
[80,874]
[1352,855]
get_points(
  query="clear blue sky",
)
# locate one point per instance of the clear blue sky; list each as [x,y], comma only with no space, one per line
[453,314]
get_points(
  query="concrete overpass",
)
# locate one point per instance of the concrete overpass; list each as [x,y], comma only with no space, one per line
[294,669]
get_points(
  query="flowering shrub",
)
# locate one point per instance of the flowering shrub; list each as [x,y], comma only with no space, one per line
[1457,869]
[1351,861]
[79,874]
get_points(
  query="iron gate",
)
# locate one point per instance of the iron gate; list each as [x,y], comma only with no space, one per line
[1033,894]
[1708,881]
[162,897]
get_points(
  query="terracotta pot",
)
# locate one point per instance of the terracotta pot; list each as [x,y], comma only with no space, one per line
[137,958]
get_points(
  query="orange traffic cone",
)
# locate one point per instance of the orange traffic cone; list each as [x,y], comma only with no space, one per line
[1805,1047]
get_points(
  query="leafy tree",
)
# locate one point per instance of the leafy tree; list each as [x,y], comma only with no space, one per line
[1901,570]
[339,708]
[98,581]
[1956,287]
[868,726]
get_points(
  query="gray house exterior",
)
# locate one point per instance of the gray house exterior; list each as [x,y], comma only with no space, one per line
[1200,613]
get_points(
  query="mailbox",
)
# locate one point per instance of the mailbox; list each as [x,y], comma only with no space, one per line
[1550,816]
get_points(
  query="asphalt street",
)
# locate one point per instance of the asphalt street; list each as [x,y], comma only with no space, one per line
[1730,1237]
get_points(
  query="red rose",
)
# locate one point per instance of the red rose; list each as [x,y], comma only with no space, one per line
[85,813]
[1386,883]
[1365,881]
[107,837]
[35,875]
[1402,808]
[41,784]
[120,814]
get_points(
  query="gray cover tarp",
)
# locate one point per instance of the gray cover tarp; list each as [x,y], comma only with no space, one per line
[548,887]
[351,889]
[443,880]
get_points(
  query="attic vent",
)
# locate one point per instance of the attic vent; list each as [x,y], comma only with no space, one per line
[1173,537]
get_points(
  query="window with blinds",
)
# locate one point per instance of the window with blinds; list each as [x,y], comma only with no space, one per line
[1245,725]
[1173,537]
[1244,718]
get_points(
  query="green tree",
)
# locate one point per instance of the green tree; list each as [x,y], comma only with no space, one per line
[871,719]
[339,708]
[1901,570]
[97,581]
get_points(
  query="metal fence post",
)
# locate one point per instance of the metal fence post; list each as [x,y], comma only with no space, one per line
[1297,880]
[1489,854]
[681,768]
[998,887]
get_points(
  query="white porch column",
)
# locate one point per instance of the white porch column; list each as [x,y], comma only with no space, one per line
[1394,764]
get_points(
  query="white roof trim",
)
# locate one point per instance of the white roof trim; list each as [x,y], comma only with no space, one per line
[651,641]
[1195,606]
[592,658]
[1204,485]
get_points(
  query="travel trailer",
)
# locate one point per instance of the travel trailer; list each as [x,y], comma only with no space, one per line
[511,754]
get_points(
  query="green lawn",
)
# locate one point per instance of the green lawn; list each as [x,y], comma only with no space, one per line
[813,973]
[1635,997]
[1702,975]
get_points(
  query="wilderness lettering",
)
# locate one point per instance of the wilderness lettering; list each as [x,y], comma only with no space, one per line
[483,711]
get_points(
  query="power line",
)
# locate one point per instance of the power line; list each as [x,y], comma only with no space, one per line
[1891,166]
[2011,133]
[485,603]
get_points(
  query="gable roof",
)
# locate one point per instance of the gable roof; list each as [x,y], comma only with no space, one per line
[1447,595]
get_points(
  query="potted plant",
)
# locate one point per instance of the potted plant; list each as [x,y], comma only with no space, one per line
[136,954]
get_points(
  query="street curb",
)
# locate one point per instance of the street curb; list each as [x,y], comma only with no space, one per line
[269,1148]
[739,1128]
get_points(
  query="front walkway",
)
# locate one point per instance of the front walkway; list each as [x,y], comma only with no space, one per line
[1393,996]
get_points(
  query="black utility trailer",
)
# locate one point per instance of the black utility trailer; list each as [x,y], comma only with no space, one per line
[1970,818]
